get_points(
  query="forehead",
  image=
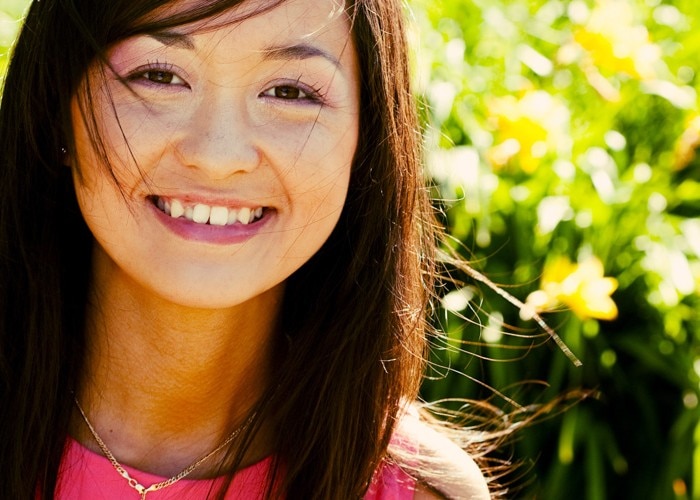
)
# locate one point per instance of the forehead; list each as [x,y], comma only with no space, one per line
[266,18]
[260,28]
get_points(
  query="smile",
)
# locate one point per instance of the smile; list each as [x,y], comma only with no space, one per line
[200,213]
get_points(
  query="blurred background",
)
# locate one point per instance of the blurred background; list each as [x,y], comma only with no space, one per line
[560,143]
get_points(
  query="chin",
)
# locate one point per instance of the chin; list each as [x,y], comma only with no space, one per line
[205,299]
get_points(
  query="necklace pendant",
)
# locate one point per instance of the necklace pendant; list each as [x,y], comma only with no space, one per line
[140,489]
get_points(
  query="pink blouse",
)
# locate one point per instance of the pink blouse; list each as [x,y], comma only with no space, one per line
[85,475]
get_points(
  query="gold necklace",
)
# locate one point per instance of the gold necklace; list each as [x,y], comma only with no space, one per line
[133,483]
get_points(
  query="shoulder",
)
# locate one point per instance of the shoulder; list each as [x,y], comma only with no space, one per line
[444,470]
[423,492]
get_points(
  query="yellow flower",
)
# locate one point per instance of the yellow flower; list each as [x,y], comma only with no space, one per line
[527,129]
[581,287]
[616,42]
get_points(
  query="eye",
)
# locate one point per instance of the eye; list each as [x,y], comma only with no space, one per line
[157,75]
[163,77]
[289,92]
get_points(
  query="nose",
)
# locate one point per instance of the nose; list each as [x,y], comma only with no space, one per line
[219,139]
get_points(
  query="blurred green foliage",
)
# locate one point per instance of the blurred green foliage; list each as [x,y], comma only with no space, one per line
[561,138]
[10,11]
[561,141]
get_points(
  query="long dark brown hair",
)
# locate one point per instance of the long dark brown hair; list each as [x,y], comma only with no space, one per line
[354,312]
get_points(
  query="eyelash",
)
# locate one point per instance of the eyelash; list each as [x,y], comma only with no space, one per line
[307,93]
[156,67]
[311,94]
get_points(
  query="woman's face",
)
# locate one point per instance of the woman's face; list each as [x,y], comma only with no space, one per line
[231,149]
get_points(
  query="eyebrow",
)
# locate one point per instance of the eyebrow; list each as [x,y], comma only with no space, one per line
[299,52]
[173,39]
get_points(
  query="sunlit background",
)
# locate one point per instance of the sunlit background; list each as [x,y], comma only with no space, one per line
[561,139]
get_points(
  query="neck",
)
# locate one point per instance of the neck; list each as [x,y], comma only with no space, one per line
[165,380]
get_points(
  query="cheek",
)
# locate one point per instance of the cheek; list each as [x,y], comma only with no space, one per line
[319,183]
[315,162]
[101,184]
[128,135]
[99,150]
[101,205]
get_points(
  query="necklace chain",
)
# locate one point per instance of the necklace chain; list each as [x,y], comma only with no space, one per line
[133,483]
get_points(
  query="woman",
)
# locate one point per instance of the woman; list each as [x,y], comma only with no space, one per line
[216,255]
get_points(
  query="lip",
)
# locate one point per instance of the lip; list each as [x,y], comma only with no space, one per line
[205,233]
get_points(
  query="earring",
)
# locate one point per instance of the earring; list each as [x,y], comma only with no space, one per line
[65,157]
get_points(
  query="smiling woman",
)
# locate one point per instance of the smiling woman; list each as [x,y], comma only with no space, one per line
[231,171]
[216,253]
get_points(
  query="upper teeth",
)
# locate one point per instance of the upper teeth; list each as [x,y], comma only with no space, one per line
[213,215]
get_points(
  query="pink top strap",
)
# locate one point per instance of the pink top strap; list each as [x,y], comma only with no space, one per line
[85,475]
